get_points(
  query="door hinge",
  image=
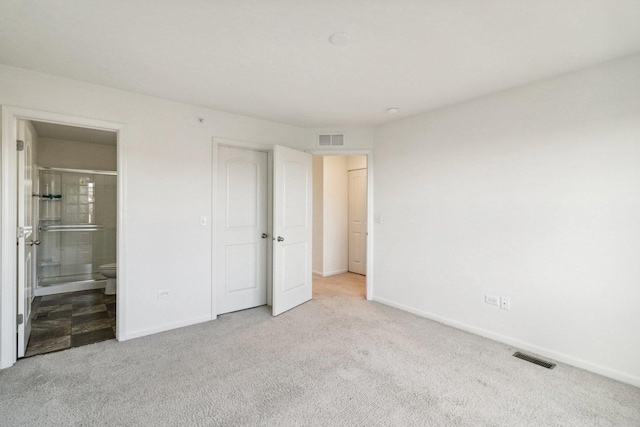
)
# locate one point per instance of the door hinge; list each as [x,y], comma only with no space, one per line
[20,145]
[20,319]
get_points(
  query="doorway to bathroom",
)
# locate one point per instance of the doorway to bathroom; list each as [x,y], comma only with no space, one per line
[67,211]
[62,203]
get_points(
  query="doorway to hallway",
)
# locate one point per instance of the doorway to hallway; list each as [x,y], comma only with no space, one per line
[343,285]
[340,218]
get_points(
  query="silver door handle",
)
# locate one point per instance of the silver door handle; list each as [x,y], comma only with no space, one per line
[34,242]
[264,235]
[280,239]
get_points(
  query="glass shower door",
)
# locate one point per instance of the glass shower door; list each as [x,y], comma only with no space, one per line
[73,207]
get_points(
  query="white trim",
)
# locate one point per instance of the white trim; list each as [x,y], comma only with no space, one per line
[340,152]
[121,274]
[370,239]
[167,327]
[8,260]
[270,227]
[213,179]
[8,186]
[234,143]
[560,357]
[330,273]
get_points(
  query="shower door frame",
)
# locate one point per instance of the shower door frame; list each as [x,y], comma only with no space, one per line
[68,286]
[8,220]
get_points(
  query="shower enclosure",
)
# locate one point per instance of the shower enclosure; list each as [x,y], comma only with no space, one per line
[77,222]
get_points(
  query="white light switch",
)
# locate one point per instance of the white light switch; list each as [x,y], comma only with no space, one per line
[377,218]
[203,221]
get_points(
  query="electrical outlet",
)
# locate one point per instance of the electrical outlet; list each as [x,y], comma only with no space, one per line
[163,294]
[492,299]
[505,303]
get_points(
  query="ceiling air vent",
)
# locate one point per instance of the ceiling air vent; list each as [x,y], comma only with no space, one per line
[336,140]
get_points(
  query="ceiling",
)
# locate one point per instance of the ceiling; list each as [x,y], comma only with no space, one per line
[273,60]
[73,133]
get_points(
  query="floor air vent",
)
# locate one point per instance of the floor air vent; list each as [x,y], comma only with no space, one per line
[535,360]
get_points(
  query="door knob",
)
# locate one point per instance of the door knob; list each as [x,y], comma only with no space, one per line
[280,239]
[264,235]
[34,242]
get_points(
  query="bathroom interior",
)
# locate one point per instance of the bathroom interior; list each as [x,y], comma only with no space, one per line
[75,225]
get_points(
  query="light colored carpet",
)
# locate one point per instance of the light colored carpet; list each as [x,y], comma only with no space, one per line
[337,360]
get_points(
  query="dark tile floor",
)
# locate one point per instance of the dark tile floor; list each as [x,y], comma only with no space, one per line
[72,319]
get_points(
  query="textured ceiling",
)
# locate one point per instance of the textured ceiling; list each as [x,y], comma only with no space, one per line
[272,59]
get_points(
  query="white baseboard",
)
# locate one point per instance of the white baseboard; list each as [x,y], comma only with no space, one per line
[560,357]
[166,327]
[330,273]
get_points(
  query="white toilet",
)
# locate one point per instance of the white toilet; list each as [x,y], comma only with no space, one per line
[109,271]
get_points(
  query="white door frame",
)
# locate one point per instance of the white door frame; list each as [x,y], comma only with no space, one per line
[233,143]
[8,220]
[369,154]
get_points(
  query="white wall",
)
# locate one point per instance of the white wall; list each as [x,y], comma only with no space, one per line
[356,138]
[318,220]
[335,215]
[168,186]
[534,194]
[356,162]
[77,155]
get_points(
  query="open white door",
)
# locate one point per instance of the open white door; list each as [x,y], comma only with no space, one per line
[292,228]
[26,253]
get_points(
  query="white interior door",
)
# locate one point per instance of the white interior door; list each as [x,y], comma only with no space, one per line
[292,228]
[241,229]
[358,221]
[26,252]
